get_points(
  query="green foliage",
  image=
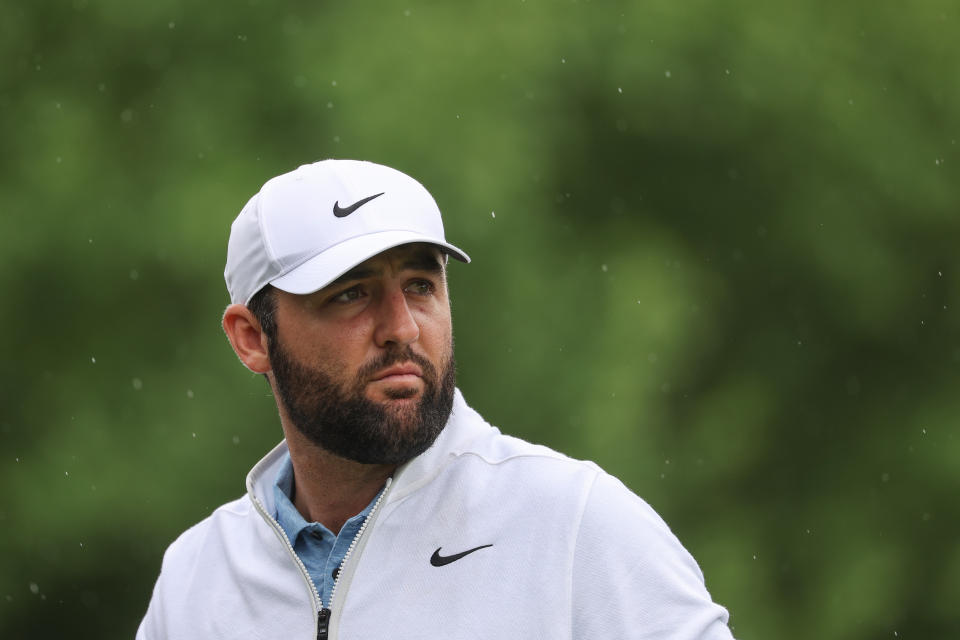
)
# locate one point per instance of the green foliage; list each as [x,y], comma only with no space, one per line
[714,250]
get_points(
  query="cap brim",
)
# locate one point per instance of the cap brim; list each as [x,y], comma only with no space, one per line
[322,269]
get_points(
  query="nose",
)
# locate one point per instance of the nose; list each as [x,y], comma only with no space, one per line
[395,322]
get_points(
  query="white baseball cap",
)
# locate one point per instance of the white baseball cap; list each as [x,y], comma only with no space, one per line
[306,228]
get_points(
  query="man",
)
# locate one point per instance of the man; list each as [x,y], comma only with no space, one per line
[391,509]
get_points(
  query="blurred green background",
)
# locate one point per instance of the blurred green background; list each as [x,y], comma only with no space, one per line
[714,250]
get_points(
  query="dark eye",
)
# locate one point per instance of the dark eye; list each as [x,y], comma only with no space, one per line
[420,287]
[350,295]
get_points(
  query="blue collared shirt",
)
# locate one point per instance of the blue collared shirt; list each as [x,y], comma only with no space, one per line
[321,551]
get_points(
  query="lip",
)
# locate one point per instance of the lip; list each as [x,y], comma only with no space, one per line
[398,371]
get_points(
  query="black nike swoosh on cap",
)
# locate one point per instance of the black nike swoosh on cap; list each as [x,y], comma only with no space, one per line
[438,560]
[345,211]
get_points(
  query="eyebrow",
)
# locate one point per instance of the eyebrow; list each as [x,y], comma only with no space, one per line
[357,273]
[424,261]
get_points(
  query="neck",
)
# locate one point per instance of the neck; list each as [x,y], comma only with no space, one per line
[329,489]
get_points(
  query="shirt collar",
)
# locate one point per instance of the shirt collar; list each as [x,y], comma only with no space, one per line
[287,515]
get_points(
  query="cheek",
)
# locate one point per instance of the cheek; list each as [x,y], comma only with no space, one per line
[338,348]
[437,335]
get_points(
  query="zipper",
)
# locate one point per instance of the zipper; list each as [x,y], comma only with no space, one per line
[293,554]
[323,616]
[323,623]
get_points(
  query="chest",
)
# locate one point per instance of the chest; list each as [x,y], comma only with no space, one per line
[463,562]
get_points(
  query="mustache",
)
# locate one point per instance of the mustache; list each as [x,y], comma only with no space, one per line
[397,356]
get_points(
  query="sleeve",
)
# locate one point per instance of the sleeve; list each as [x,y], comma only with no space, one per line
[633,579]
[151,627]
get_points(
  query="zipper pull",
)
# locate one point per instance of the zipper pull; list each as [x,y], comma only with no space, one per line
[323,624]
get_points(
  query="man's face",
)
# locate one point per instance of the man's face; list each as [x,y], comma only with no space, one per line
[364,367]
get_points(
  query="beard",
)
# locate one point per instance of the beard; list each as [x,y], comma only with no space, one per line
[344,422]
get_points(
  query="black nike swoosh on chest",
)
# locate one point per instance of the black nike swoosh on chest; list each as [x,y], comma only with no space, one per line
[438,560]
[345,211]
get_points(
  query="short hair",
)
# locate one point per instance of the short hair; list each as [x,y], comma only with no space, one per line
[263,306]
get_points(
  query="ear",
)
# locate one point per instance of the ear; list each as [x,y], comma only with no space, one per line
[247,338]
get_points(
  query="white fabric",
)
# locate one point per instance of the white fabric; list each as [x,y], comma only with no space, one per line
[287,234]
[575,555]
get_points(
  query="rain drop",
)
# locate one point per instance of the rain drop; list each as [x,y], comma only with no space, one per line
[667,73]
[34,588]
[190,393]
[137,384]
[603,268]
[93,360]
[493,214]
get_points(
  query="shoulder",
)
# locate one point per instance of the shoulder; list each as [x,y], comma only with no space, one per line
[538,466]
[190,545]
[632,570]
[612,501]
[614,524]
[608,507]
[215,570]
